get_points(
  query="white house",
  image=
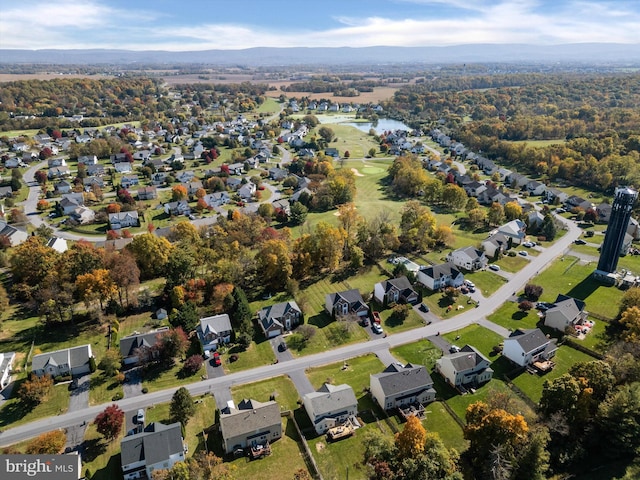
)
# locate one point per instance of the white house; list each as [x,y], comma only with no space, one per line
[516,230]
[468,367]
[251,423]
[123,220]
[330,406]
[566,311]
[524,347]
[439,276]
[157,447]
[395,290]
[399,386]
[468,258]
[6,364]
[68,361]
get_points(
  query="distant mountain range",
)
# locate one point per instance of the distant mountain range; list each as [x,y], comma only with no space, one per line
[583,53]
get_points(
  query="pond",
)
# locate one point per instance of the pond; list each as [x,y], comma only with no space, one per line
[382,125]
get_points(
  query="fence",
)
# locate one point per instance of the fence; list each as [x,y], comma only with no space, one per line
[308,457]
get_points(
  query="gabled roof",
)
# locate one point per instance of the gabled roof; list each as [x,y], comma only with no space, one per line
[330,398]
[250,416]
[353,297]
[273,312]
[471,252]
[569,307]
[155,444]
[74,357]
[397,379]
[442,270]
[215,324]
[466,359]
[529,340]
[129,344]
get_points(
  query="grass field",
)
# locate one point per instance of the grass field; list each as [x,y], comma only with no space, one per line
[100,458]
[103,389]
[257,354]
[486,281]
[280,388]
[565,357]
[353,371]
[441,422]
[508,316]
[14,412]
[479,337]
[511,264]
[422,352]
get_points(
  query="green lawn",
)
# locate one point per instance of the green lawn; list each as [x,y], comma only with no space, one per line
[486,281]
[156,377]
[281,388]
[101,458]
[354,372]
[597,339]
[103,389]
[257,354]
[422,352]
[565,357]
[14,412]
[570,276]
[511,264]
[459,403]
[441,422]
[477,336]
[511,318]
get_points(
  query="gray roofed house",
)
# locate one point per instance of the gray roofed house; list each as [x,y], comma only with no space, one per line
[157,447]
[330,406]
[6,192]
[515,229]
[123,220]
[214,330]
[251,423]
[133,346]
[276,319]
[15,235]
[395,290]
[399,386]
[468,258]
[439,276]
[524,347]
[567,311]
[147,193]
[468,367]
[496,244]
[68,361]
[345,303]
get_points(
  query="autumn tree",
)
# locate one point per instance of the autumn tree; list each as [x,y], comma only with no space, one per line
[512,210]
[151,253]
[109,422]
[178,192]
[49,443]
[31,262]
[417,225]
[410,442]
[182,406]
[630,321]
[496,214]
[454,197]
[326,133]
[173,344]
[96,285]
[274,263]
[525,306]
[36,389]
[125,275]
[618,422]
[4,301]
[533,292]
[443,236]
[192,364]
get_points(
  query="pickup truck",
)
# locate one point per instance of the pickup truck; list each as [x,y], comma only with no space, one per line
[376,317]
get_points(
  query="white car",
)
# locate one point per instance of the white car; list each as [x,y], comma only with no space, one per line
[495,268]
[469,284]
[376,328]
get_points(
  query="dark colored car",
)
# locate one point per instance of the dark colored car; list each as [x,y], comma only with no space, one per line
[282,347]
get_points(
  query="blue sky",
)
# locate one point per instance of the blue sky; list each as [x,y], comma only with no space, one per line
[236,24]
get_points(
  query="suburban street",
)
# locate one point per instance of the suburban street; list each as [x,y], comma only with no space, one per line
[295,367]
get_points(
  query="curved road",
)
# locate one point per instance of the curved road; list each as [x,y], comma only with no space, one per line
[378,346]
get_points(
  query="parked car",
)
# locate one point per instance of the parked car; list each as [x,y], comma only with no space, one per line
[579,241]
[495,268]
[464,289]
[528,244]
[140,416]
[589,233]
[454,349]
[365,322]
[523,253]
[74,384]
[424,307]
[376,317]
[282,347]
[376,328]
[217,361]
[469,283]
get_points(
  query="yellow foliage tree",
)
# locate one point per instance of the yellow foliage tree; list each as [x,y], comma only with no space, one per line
[410,442]
[630,320]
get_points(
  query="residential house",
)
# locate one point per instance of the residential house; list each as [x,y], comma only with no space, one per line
[83,138]
[62,186]
[192,187]
[71,201]
[15,235]
[58,172]
[247,190]
[123,167]
[278,174]
[123,220]
[566,312]
[279,318]
[90,182]
[633,229]
[536,188]
[96,170]
[6,192]
[475,188]
[157,447]
[535,219]
[348,302]
[496,244]
[399,386]
[83,215]
[140,346]
[56,162]
[217,199]
[553,196]
[181,207]
[603,212]
[491,195]
[128,181]
[213,331]
[332,152]
[466,368]
[159,178]
[236,168]
[517,180]
[516,230]
[395,290]
[68,361]
[330,405]
[87,160]
[468,258]
[251,424]
[439,276]
[233,184]
[524,347]
[42,138]
[58,244]
[6,366]
[13,162]
[147,193]
[282,205]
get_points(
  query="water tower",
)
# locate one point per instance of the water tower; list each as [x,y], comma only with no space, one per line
[623,202]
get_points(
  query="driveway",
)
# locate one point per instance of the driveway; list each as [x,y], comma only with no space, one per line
[130,421]
[212,370]
[440,342]
[301,382]
[132,385]
[281,355]
[78,401]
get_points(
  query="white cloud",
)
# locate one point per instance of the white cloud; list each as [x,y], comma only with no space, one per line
[92,24]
